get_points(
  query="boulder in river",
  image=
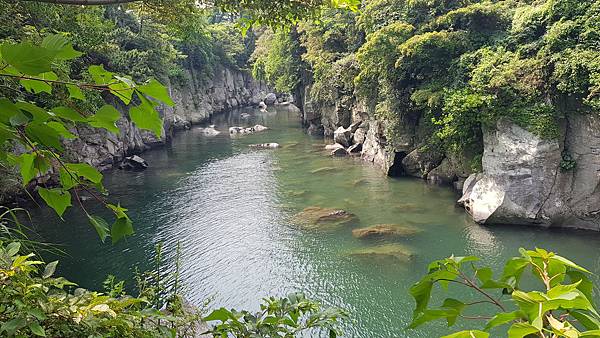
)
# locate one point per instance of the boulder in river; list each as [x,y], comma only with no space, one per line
[355,148]
[262,105]
[333,146]
[271,145]
[209,131]
[386,230]
[395,251]
[248,130]
[342,136]
[133,163]
[339,152]
[270,99]
[317,217]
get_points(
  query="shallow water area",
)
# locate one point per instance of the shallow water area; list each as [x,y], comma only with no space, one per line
[231,208]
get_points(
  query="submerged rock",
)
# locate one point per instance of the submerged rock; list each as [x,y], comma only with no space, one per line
[244,115]
[315,217]
[395,251]
[265,145]
[323,170]
[133,163]
[339,152]
[386,230]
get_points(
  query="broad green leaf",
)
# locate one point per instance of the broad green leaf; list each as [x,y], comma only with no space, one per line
[421,292]
[68,114]
[157,91]
[66,180]
[13,248]
[75,92]
[146,117]
[588,320]
[503,318]
[42,83]
[86,171]
[7,110]
[568,263]
[13,325]
[38,114]
[118,210]
[49,269]
[468,334]
[58,199]
[221,314]
[121,228]
[430,315]
[26,167]
[61,129]
[37,313]
[106,117]
[592,333]
[123,89]
[514,268]
[561,290]
[520,330]
[19,119]
[37,329]
[100,75]
[100,225]
[43,134]
[61,46]
[484,274]
[27,58]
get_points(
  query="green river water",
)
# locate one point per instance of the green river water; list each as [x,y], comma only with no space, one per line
[230,206]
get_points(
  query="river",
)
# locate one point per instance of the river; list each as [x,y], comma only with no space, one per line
[229,206]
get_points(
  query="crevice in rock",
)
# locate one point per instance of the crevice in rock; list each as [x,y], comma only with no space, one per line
[396,169]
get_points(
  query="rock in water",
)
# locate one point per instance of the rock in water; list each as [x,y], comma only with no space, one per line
[270,99]
[333,146]
[209,131]
[317,217]
[395,251]
[262,105]
[259,128]
[386,230]
[249,130]
[133,163]
[339,152]
[265,145]
[342,136]
[355,148]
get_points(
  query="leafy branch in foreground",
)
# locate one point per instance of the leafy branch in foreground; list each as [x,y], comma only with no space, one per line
[31,135]
[564,308]
[279,317]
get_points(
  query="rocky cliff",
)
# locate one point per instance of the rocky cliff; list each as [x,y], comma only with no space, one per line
[195,102]
[524,179]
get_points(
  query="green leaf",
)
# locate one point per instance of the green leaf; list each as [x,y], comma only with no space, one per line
[75,92]
[27,58]
[26,167]
[61,129]
[38,114]
[157,91]
[520,330]
[221,314]
[7,110]
[13,325]
[68,114]
[86,171]
[37,329]
[58,199]
[121,228]
[503,318]
[39,85]
[588,320]
[146,117]
[421,292]
[568,263]
[123,89]
[100,225]
[43,134]
[37,313]
[468,334]
[430,315]
[49,269]
[100,75]
[66,180]
[106,117]
[13,248]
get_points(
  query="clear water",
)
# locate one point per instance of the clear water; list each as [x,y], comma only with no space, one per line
[229,206]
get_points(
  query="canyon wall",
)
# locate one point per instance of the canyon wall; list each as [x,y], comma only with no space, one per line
[523,178]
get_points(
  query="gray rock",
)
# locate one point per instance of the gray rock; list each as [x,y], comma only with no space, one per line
[262,105]
[359,135]
[334,146]
[209,131]
[133,163]
[355,148]
[270,99]
[343,136]
[271,145]
[419,163]
[339,152]
[374,148]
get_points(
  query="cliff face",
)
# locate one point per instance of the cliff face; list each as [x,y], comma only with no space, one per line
[194,103]
[525,179]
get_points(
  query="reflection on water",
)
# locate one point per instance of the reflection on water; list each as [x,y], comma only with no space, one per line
[230,208]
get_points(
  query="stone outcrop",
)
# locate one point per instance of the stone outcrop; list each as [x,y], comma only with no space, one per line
[523,182]
[195,102]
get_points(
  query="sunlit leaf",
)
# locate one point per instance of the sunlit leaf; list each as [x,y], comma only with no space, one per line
[28,58]
[68,114]
[106,117]
[43,134]
[120,229]
[157,91]
[100,225]
[58,199]
[86,171]
[42,83]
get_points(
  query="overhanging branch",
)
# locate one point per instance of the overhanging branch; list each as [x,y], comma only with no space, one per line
[84,2]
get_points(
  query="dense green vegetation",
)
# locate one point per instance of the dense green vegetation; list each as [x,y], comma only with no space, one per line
[455,66]
[564,309]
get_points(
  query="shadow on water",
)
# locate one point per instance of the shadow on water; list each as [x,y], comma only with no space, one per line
[230,208]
